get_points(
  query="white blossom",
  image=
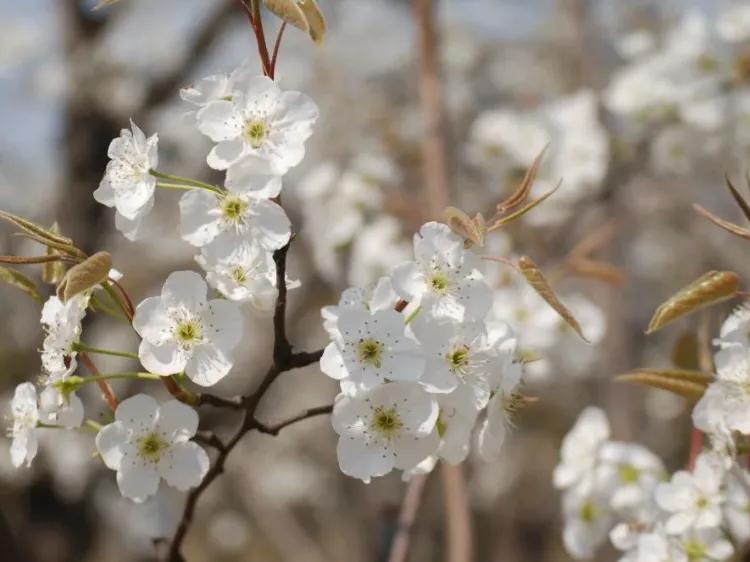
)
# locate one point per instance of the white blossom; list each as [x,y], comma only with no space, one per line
[244,213]
[128,184]
[694,500]
[388,427]
[62,323]
[148,442]
[629,472]
[183,331]
[445,278]
[25,418]
[580,450]
[260,120]
[588,519]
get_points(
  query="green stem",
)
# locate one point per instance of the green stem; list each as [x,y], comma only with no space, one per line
[413,314]
[178,186]
[113,376]
[83,347]
[115,297]
[91,425]
[181,181]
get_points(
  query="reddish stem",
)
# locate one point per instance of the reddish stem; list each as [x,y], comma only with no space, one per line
[107,394]
[129,309]
[276,46]
[696,445]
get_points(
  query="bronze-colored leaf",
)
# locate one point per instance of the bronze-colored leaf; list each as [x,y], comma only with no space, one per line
[686,351]
[534,277]
[20,281]
[708,289]
[743,205]
[522,211]
[289,11]
[726,225]
[85,275]
[689,384]
[522,191]
[316,23]
[53,271]
[42,235]
[26,260]
[472,230]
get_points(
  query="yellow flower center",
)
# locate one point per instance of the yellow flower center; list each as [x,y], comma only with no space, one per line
[629,474]
[233,209]
[239,275]
[255,132]
[386,422]
[588,512]
[188,332]
[458,359]
[439,283]
[369,351]
[151,447]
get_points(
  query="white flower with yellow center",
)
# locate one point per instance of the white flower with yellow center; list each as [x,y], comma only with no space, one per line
[371,349]
[183,331]
[128,184]
[445,278]
[693,500]
[386,428]
[588,520]
[148,442]
[242,214]
[580,450]
[630,473]
[261,121]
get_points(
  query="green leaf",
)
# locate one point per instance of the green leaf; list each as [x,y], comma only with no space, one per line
[20,281]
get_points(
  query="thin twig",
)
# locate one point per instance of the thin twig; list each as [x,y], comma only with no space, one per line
[406,518]
[107,394]
[273,429]
[276,46]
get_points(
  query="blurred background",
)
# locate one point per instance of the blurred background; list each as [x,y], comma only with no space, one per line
[645,105]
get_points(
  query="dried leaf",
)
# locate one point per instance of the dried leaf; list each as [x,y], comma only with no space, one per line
[315,21]
[20,281]
[726,225]
[26,260]
[289,11]
[42,235]
[708,289]
[53,271]
[522,211]
[534,277]
[687,383]
[472,230]
[85,275]
[739,199]
[686,351]
[522,191]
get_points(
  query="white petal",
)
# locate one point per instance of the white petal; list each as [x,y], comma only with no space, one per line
[185,289]
[110,441]
[165,359]
[332,363]
[225,154]
[200,222]
[24,447]
[207,365]
[137,481]
[217,121]
[151,321]
[104,193]
[176,421]
[136,199]
[223,324]
[246,176]
[411,451]
[130,228]
[361,461]
[137,413]
[271,223]
[184,465]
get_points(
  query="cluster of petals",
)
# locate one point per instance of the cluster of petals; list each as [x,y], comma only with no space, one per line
[420,364]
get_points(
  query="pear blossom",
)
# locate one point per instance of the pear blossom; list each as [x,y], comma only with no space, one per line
[62,324]
[128,184]
[245,272]
[735,331]
[56,408]
[588,519]
[216,87]
[500,409]
[706,545]
[461,354]
[373,298]
[183,331]
[388,427]
[25,412]
[630,472]
[149,442]
[580,450]
[445,278]
[242,214]
[260,120]
[371,349]
[694,500]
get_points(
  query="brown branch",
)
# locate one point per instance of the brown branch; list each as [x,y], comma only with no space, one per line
[209,439]
[274,429]
[276,46]
[406,518]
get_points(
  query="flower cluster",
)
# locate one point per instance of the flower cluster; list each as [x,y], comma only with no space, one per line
[259,131]
[621,491]
[420,359]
